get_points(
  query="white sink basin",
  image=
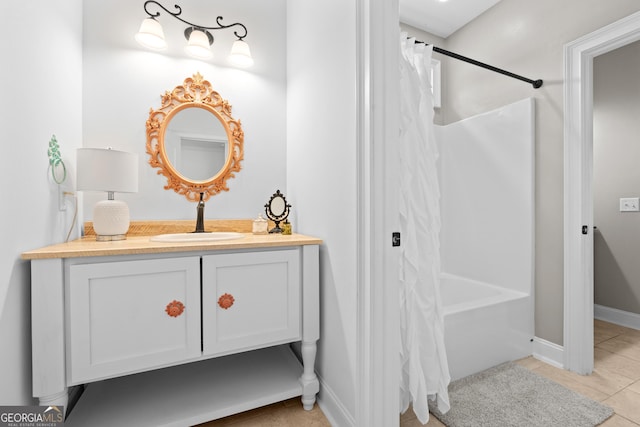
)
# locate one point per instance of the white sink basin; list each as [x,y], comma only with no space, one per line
[197,237]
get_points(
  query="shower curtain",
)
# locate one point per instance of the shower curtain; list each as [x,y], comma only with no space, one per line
[424,369]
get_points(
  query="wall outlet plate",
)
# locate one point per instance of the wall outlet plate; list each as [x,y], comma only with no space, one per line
[630,204]
[61,202]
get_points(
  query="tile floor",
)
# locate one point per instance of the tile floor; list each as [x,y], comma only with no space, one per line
[282,414]
[615,382]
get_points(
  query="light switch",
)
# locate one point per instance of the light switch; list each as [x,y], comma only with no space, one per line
[630,204]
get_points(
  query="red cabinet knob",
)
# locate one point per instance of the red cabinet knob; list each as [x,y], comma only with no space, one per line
[226,301]
[174,308]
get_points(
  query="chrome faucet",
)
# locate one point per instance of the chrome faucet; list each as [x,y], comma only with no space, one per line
[200,219]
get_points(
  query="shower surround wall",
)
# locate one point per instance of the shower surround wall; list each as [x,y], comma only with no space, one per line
[487,205]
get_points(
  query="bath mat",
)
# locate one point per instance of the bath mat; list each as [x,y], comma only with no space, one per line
[511,395]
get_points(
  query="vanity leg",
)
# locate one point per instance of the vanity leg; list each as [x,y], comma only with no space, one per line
[309,380]
[310,323]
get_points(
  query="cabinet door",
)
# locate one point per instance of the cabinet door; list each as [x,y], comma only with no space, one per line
[132,316]
[250,300]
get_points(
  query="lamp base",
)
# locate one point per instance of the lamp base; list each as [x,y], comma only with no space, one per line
[110,220]
[100,238]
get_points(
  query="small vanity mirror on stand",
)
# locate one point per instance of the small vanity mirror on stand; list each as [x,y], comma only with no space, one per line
[277,210]
[195,142]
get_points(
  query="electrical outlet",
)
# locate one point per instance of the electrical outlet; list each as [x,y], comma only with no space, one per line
[63,193]
[630,204]
[61,204]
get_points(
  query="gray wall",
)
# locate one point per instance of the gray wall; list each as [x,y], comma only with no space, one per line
[617,174]
[527,38]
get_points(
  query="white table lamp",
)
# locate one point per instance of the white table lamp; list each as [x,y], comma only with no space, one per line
[101,169]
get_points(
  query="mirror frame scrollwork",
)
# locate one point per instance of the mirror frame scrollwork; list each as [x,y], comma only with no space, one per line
[195,92]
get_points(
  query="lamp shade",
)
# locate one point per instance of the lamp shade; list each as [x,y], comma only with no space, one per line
[198,45]
[150,35]
[240,54]
[111,171]
[101,169]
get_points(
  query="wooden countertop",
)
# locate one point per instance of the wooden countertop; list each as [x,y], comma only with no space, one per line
[89,247]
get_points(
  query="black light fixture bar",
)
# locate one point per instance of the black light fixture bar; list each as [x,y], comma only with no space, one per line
[178,12]
[535,83]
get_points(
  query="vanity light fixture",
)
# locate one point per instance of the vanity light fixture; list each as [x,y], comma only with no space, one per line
[199,37]
[104,169]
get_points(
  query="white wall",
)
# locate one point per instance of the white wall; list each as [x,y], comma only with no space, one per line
[487,205]
[122,81]
[99,94]
[41,96]
[321,178]
[95,87]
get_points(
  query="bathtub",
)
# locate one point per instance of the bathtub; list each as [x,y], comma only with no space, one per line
[485,325]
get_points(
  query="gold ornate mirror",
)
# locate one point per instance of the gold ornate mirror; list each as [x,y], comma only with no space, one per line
[194,141]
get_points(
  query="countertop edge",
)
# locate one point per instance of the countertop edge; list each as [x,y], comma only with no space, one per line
[88,247]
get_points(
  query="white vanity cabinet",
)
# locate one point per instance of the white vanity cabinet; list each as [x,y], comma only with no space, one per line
[174,336]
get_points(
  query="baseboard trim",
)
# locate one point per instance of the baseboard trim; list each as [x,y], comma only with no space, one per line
[548,352]
[618,317]
[332,407]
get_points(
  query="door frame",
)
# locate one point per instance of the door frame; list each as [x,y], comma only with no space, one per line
[578,185]
[378,311]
